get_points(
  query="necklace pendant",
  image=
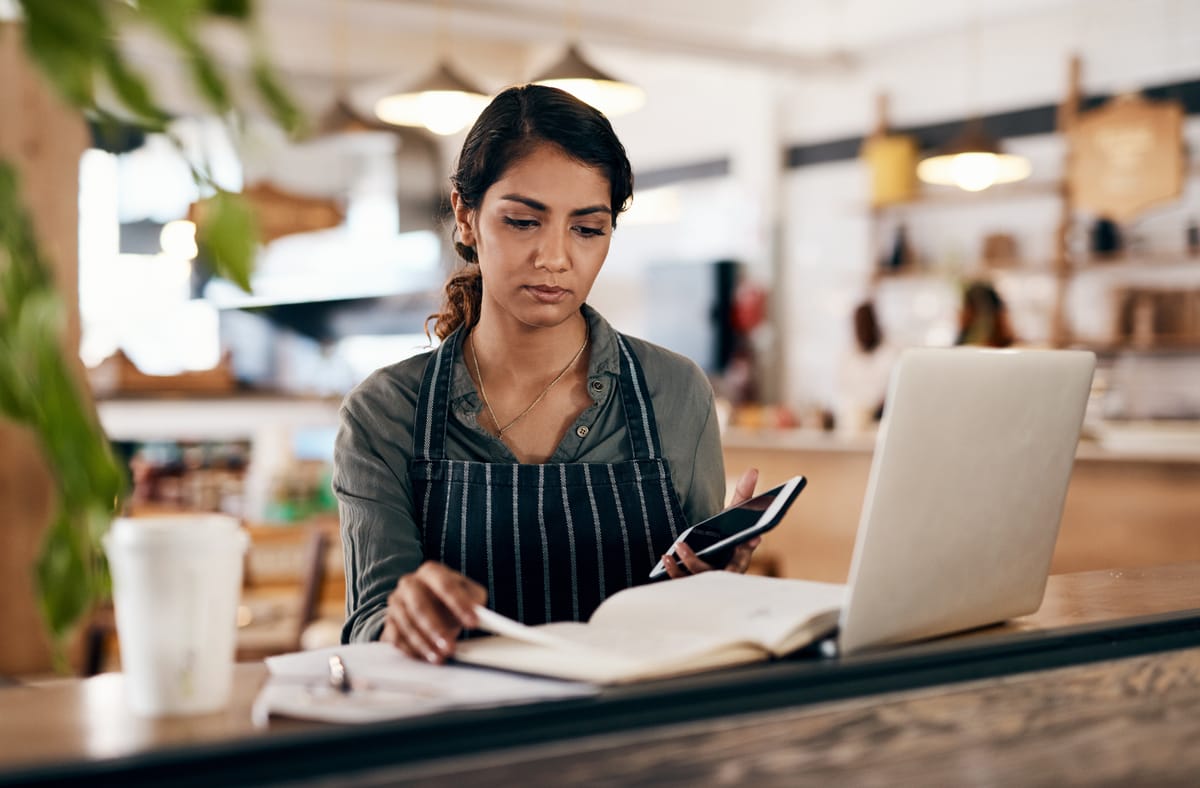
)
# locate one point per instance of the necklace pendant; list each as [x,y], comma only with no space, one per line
[483,390]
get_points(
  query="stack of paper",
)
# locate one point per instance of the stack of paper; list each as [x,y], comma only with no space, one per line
[385,685]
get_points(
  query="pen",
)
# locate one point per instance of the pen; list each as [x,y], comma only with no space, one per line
[339,679]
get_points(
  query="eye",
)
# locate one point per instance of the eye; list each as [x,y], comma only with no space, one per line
[520,224]
[589,232]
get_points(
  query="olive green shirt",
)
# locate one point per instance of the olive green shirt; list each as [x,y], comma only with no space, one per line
[380,534]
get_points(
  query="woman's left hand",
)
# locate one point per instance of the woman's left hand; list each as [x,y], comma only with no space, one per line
[689,564]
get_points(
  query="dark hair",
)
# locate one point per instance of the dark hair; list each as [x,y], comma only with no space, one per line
[517,121]
[984,317]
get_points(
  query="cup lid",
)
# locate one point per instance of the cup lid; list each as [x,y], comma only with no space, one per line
[190,531]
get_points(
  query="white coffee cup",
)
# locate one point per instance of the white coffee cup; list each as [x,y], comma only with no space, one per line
[176,584]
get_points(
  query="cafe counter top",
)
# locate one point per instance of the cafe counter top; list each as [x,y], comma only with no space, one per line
[1103,679]
[1162,442]
[1133,499]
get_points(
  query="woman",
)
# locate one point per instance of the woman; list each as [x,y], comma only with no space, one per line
[983,319]
[863,373]
[537,461]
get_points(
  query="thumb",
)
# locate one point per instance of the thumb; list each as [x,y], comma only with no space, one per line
[745,486]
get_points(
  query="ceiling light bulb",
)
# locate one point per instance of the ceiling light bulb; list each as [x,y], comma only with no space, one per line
[442,102]
[974,172]
[973,162]
[590,85]
[441,111]
[178,240]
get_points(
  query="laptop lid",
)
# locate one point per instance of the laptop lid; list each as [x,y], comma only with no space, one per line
[966,490]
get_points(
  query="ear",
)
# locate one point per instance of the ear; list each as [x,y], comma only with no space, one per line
[464,218]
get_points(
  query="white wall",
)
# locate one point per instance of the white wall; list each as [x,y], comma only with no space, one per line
[822,260]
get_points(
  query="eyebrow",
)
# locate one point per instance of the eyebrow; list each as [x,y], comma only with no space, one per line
[540,206]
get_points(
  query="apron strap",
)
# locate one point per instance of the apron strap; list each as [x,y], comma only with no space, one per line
[433,401]
[639,412]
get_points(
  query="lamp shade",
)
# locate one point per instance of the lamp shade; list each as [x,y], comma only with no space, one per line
[341,118]
[442,102]
[589,84]
[973,161]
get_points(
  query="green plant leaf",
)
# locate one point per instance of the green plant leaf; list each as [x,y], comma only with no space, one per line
[234,9]
[283,109]
[38,388]
[207,79]
[61,573]
[24,271]
[132,90]
[228,232]
[66,40]
[179,20]
[74,43]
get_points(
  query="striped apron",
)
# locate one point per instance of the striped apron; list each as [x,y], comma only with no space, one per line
[548,542]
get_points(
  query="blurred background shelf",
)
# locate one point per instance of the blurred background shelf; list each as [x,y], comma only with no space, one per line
[224,417]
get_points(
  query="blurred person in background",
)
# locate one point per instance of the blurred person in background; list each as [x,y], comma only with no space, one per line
[983,319]
[537,461]
[864,373]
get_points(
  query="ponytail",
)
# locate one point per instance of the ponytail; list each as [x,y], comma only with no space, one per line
[462,296]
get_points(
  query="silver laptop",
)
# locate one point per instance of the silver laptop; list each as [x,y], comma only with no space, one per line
[966,491]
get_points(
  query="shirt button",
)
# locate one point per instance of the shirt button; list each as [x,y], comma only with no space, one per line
[597,385]
[582,430]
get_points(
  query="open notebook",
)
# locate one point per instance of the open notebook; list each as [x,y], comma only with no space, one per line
[958,525]
[707,621]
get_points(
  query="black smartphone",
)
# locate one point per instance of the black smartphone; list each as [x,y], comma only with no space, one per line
[714,539]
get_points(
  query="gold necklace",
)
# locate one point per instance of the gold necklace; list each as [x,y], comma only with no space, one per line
[540,397]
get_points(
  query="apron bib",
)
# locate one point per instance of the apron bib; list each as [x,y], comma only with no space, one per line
[548,542]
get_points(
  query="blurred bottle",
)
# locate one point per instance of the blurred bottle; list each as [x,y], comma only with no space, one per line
[901,255]
[1106,238]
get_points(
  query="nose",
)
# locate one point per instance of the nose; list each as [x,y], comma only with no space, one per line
[554,253]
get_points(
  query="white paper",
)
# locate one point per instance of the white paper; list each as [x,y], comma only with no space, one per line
[542,635]
[388,685]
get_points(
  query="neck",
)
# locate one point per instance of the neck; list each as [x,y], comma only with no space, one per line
[510,349]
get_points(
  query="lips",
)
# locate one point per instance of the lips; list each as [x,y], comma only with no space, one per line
[547,294]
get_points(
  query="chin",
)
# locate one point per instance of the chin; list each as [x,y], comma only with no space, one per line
[547,315]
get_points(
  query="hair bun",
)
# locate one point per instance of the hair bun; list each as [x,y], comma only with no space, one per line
[466,252]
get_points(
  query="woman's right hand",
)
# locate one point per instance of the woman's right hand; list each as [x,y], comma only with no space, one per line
[428,609]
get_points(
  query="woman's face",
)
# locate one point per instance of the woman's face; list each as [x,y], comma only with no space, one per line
[541,234]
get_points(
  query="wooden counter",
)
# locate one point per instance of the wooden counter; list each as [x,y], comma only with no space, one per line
[759,723]
[1131,722]
[1123,508]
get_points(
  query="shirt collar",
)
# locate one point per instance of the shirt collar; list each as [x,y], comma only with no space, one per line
[604,359]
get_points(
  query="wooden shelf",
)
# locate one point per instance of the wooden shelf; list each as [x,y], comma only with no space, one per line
[1123,264]
[211,419]
[1138,262]
[1160,346]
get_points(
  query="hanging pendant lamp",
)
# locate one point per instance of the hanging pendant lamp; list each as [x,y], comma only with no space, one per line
[973,161]
[442,102]
[589,84]
[341,118]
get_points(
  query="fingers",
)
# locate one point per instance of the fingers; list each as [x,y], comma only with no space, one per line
[411,637]
[458,593]
[428,609]
[673,567]
[740,561]
[690,561]
[744,490]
